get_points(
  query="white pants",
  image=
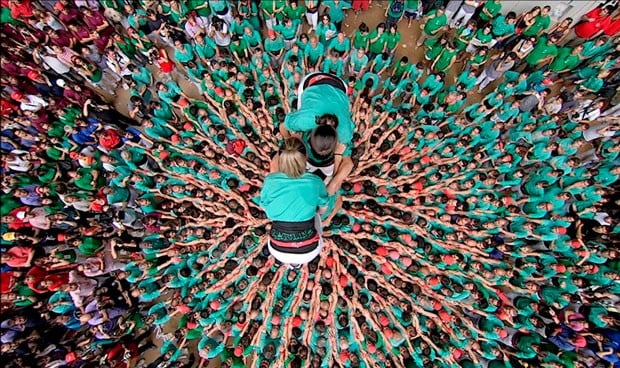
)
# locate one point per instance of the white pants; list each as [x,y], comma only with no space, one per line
[304,258]
[313,19]
[228,17]
[463,16]
[483,81]
[327,171]
[270,22]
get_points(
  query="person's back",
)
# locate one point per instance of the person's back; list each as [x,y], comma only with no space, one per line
[292,199]
[529,103]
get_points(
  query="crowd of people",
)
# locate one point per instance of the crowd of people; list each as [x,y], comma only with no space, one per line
[476,229]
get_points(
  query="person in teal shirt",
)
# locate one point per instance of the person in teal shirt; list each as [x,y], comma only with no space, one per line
[318,100]
[275,47]
[381,63]
[170,92]
[183,52]
[335,9]
[434,83]
[292,199]
[313,54]
[333,65]
[253,38]
[289,28]
[594,83]
[340,44]
[358,63]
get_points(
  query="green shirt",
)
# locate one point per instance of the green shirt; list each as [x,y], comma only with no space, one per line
[238,48]
[292,199]
[435,23]
[295,14]
[396,11]
[565,60]
[378,45]
[360,40]
[86,179]
[319,100]
[540,24]
[314,53]
[444,60]
[541,51]
[392,40]
[492,8]
[501,27]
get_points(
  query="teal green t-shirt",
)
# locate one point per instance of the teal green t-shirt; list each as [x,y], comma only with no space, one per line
[292,199]
[319,100]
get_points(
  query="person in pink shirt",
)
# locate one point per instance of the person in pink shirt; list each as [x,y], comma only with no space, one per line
[17,257]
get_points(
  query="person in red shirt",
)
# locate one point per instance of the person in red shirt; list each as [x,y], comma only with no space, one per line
[110,139]
[613,28]
[591,25]
[16,218]
[8,280]
[20,9]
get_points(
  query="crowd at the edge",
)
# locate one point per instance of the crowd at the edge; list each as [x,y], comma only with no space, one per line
[472,234]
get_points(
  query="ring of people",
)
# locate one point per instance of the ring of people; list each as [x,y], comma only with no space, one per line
[314,183]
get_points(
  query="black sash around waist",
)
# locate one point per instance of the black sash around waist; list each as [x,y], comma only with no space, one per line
[294,237]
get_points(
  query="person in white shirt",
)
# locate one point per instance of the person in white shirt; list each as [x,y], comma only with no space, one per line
[49,61]
[605,130]
[590,110]
[196,25]
[29,102]
[117,62]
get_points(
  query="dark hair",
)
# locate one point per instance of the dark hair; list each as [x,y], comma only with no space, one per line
[327,120]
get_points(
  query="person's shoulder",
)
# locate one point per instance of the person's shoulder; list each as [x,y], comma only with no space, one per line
[274,177]
[312,179]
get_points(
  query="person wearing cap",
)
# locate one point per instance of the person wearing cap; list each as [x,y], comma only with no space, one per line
[275,46]
[293,199]
[29,102]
